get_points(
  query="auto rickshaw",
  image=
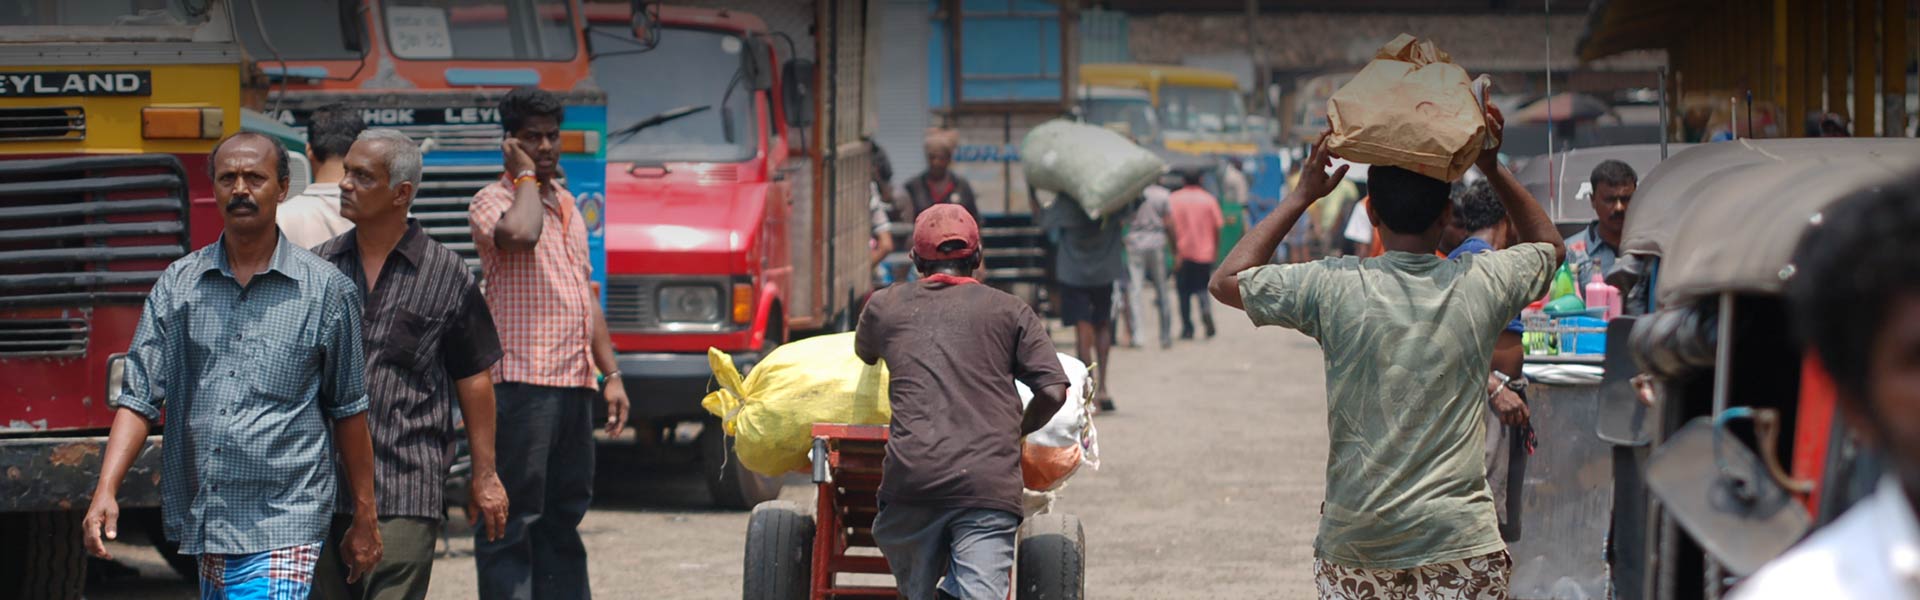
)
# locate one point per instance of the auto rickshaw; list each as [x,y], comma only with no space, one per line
[1728,448]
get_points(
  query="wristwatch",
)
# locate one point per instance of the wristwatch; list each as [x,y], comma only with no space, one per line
[1518,386]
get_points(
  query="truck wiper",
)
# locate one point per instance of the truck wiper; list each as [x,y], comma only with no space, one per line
[658,119]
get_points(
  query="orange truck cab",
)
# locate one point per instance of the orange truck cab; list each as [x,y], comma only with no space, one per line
[437,72]
[737,212]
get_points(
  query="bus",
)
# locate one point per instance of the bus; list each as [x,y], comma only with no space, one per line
[1201,111]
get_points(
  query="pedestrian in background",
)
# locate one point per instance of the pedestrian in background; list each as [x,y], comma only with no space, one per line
[1091,259]
[950,487]
[533,247]
[879,200]
[1479,225]
[1599,243]
[251,347]
[939,184]
[1194,221]
[1146,243]
[1407,339]
[429,340]
[313,217]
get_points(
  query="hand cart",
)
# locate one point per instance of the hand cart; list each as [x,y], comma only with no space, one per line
[793,556]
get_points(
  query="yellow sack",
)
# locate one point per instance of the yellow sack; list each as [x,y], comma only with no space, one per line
[771,413]
[1411,107]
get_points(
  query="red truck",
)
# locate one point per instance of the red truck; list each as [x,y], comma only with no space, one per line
[737,195]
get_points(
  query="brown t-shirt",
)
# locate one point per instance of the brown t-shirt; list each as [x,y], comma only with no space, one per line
[953,352]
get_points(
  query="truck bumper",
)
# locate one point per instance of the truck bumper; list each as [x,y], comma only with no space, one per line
[59,473]
[664,385]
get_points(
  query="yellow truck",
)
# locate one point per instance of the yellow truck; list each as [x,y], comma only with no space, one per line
[1200,111]
[107,112]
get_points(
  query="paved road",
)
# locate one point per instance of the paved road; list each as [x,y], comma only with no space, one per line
[1212,478]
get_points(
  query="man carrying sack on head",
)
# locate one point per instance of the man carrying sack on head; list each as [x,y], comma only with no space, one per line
[1408,338]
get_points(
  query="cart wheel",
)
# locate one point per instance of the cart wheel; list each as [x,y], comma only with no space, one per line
[779,563]
[1052,558]
[732,484]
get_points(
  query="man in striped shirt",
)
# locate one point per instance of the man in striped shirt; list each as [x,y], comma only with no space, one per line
[533,248]
[429,338]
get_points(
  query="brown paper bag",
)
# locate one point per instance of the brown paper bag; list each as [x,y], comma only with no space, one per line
[1411,107]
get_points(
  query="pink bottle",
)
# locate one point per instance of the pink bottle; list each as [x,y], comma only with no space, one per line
[1600,295]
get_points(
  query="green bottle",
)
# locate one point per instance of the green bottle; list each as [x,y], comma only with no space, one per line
[1562,283]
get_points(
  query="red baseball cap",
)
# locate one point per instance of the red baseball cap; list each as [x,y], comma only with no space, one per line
[943,223]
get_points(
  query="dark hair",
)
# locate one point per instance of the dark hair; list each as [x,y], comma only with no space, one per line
[1407,202]
[1863,254]
[281,168]
[1194,176]
[332,130]
[1613,173]
[929,267]
[525,102]
[1475,208]
[882,167]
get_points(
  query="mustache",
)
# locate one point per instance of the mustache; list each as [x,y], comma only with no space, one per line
[242,202]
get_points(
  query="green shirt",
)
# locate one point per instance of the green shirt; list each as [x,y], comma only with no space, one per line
[1408,340]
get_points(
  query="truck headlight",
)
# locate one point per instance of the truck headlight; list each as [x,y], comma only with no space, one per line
[116,378]
[689,303]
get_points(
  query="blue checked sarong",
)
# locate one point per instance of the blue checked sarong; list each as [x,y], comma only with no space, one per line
[283,574]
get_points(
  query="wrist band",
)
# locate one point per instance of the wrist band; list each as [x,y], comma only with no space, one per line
[524,179]
[524,173]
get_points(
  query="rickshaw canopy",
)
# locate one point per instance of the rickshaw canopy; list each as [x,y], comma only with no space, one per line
[1725,217]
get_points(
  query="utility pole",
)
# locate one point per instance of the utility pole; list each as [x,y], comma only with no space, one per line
[1259,82]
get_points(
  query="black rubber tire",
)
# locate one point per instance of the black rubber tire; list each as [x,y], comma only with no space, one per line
[731,484]
[1052,559]
[43,556]
[779,561]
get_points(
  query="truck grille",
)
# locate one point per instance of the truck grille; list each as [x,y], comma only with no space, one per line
[450,138]
[441,205]
[630,304]
[43,337]
[43,123]
[81,230]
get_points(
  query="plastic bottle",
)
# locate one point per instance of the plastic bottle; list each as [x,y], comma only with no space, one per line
[1562,283]
[1535,339]
[1601,295]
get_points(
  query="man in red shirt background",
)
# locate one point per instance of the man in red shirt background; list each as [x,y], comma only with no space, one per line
[1193,226]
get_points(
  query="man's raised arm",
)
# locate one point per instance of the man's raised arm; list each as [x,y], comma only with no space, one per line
[1258,245]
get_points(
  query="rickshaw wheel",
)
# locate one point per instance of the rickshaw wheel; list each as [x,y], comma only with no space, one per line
[779,561]
[1052,558]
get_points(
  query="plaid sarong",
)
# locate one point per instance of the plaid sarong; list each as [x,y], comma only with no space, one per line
[283,574]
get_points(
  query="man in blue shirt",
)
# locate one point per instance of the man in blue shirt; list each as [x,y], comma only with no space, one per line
[1613,185]
[251,347]
[1479,225]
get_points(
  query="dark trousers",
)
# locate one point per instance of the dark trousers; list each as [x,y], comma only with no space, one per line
[544,449]
[406,562]
[1191,280]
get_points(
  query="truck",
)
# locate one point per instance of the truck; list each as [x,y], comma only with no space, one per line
[737,203]
[437,73]
[107,113]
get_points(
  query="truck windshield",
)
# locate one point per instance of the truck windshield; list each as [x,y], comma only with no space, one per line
[690,69]
[130,20]
[305,30]
[1202,111]
[1136,113]
[479,29]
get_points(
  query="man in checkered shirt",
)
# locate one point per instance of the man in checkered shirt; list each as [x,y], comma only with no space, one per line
[251,346]
[533,249]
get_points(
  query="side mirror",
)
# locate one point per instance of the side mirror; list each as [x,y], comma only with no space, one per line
[798,73]
[760,62]
[646,24]
[350,26]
